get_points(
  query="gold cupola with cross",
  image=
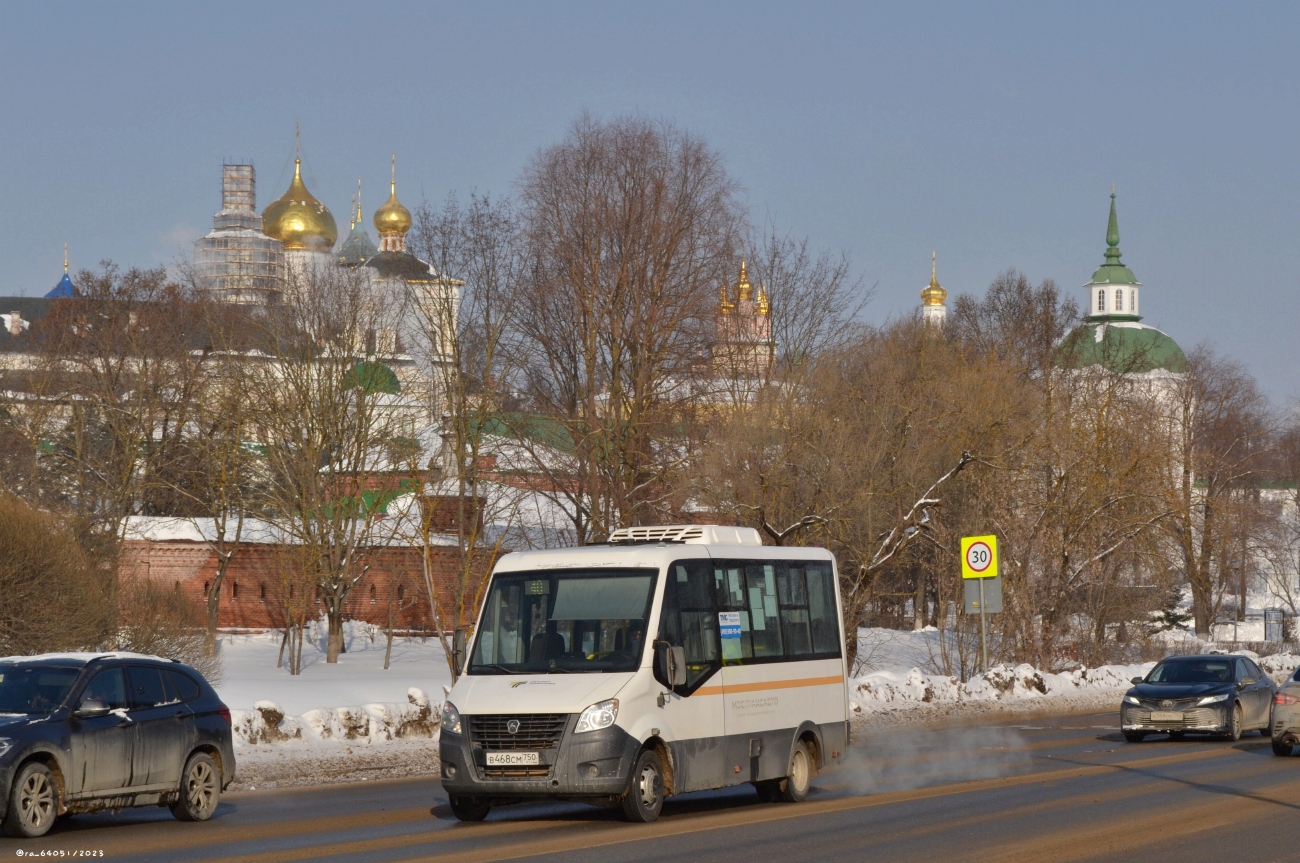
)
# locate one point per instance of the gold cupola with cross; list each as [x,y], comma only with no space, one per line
[934,297]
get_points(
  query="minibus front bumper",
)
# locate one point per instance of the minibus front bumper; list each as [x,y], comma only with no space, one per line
[593,764]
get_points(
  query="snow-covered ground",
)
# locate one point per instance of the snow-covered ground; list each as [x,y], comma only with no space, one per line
[898,670]
[250,675]
[343,722]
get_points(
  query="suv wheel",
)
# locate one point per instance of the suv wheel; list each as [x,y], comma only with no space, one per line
[33,802]
[200,789]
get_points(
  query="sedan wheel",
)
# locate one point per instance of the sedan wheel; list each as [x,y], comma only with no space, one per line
[1234,728]
[33,802]
[200,789]
[1281,748]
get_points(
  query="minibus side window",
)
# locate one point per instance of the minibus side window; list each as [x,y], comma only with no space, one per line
[793,595]
[689,618]
[764,620]
[821,605]
[729,581]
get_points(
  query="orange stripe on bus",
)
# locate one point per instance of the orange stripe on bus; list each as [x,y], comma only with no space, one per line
[771,684]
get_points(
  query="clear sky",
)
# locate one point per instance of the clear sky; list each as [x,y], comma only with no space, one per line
[989,132]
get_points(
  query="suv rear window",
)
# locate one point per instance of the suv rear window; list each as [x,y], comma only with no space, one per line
[184,685]
[147,688]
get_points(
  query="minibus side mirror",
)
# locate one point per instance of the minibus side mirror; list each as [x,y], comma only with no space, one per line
[677,666]
[458,642]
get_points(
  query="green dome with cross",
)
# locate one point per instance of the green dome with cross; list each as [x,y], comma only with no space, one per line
[1112,335]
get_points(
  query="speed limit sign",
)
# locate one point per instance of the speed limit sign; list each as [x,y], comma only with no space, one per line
[979,556]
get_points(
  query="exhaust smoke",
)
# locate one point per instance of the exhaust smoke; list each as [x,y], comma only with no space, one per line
[897,760]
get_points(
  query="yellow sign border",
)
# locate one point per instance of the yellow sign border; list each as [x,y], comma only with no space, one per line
[992,542]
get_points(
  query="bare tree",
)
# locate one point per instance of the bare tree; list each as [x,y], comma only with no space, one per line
[631,226]
[320,396]
[1221,434]
[467,340]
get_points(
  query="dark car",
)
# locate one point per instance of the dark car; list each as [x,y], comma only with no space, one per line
[81,732]
[1218,694]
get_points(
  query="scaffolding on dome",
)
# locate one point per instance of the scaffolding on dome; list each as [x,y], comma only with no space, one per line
[236,260]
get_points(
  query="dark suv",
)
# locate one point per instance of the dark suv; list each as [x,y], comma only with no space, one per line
[86,731]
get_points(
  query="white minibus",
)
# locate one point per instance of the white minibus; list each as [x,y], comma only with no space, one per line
[670,659]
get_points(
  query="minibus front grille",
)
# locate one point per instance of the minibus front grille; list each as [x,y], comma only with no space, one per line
[535,731]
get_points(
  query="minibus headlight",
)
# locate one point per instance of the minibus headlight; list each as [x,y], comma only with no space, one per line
[450,718]
[598,716]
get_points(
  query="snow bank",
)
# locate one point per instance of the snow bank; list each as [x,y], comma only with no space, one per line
[267,723]
[892,690]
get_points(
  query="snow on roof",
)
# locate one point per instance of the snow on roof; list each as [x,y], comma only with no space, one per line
[84,657]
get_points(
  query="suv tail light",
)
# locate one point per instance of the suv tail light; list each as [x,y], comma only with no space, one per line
[225,714]
[1283,698]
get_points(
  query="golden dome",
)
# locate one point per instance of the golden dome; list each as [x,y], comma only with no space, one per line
[725,305]
[933,294]
[763,307]
[298,219]
[392,217]
[744,290]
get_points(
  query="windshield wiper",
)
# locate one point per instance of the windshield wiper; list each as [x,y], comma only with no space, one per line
[501,668]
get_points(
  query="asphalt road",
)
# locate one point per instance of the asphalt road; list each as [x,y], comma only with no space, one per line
[1047,791]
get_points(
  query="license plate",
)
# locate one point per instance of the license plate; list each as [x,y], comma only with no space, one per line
[512,759]
[1166,716]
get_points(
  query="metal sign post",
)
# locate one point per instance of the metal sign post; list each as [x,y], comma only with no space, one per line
[979,560]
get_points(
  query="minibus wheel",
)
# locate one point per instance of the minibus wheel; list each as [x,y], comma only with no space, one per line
[468,808]
[794,787]
[769,790]
[645,798]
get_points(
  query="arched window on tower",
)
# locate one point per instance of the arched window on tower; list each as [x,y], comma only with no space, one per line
[1119,299]
[1101,300]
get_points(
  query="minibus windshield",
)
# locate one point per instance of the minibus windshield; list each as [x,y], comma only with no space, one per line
[573,620]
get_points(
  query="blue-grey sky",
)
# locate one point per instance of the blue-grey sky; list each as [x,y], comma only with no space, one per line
[989,132]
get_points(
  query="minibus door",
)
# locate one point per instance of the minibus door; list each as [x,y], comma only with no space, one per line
[691,713]
[755,716]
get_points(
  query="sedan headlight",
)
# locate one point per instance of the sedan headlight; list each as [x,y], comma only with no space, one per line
[1132,699]
[1214,699]
[598,716]
[6,743]
[450,718]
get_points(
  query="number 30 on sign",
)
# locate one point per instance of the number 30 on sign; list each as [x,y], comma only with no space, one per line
[979,556]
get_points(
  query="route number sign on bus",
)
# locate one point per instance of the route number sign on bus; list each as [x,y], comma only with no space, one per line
[979,556]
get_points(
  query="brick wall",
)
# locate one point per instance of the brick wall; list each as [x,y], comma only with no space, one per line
[259,575]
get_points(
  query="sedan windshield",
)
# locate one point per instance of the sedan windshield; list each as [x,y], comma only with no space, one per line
[564,620]
[1208,670]
[34,688]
